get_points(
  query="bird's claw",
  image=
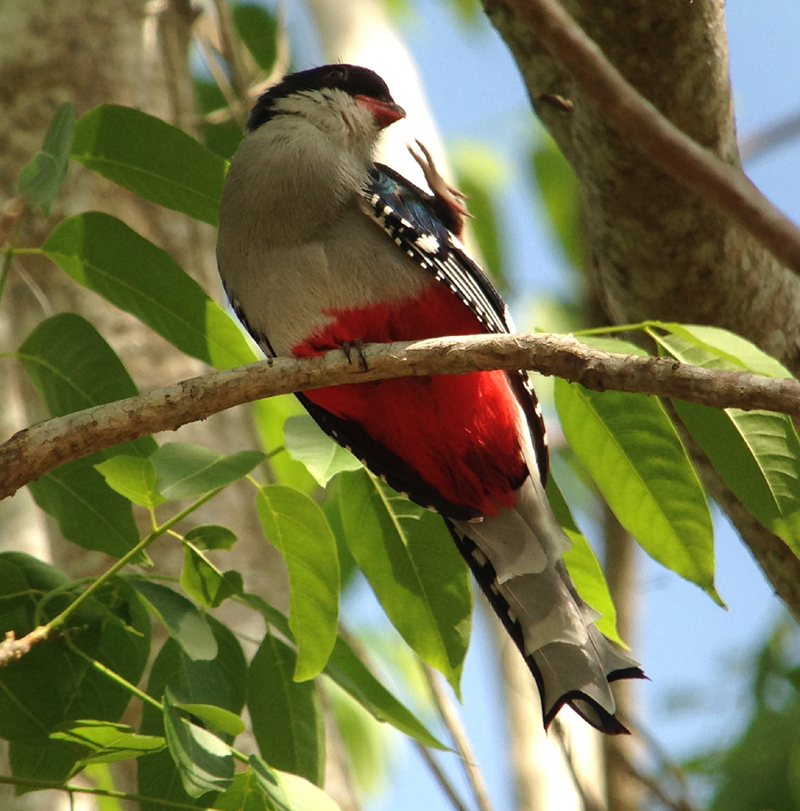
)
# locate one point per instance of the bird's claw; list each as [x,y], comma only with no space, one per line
[358,345]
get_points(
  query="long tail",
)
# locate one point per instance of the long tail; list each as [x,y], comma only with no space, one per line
[516,559]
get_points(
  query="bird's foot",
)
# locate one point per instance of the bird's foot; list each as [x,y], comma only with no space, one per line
[358,346]
[446,195]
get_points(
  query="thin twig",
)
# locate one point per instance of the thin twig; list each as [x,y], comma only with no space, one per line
[758,143]
[617,100]
[441,778]
[12,649]
[589,802]
[29,782]
[655,788]
[452,720]
[31,453]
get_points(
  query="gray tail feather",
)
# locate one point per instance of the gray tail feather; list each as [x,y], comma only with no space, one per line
[575,672]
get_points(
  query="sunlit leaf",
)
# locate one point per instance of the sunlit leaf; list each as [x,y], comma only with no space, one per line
[132,477]
[102,253]
[204,582]
[108,743]
[297,527]
[186,470]
[757,453]
[309,444]
[215,718]
[583,565]
[151,158]
[414,568]
[633,452]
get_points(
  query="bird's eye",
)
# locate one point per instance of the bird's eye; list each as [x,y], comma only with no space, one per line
[336,75]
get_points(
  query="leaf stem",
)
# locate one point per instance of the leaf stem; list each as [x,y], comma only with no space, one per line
[123,682]
[43,631]
[120,680]
[99,792]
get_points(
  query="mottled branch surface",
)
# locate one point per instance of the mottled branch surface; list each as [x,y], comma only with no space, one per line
[31,453]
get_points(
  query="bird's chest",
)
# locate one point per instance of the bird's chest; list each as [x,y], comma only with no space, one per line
[349,282]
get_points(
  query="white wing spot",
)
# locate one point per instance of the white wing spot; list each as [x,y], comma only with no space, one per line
[427,243]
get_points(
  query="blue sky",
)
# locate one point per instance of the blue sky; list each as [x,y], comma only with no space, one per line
[692,650]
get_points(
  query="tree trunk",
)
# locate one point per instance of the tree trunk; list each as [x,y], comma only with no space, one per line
[657,249]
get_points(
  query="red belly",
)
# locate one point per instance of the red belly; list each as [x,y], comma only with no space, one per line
[459,432]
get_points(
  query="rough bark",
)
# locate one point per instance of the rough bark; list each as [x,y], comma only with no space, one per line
[659,250]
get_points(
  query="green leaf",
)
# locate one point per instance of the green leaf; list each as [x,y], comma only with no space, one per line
[757,453]
[205,763]
[108,743]
[259,31]
[560,193]
[352,675]
[42,176]
[414,569]
[132,477]
[286,714]
[584,567]
[102,253]
[634,454]
[152,159]
[53,684]
[367,744]
[330,506]
[309,444]
[215,718]
[203,581]
[301,795]
[73,368]
[728,347]
[244,794]
[185,623]
[261,788]
[270,417]
[211,536]
[297,527]
[220,681]
[88,511]
[185,471]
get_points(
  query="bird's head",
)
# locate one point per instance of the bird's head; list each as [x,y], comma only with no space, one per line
[349,103]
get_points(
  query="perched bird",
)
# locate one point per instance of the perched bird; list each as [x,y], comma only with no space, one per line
[322,248]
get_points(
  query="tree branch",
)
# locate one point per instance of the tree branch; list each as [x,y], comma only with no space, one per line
[658,138]
[31,453]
